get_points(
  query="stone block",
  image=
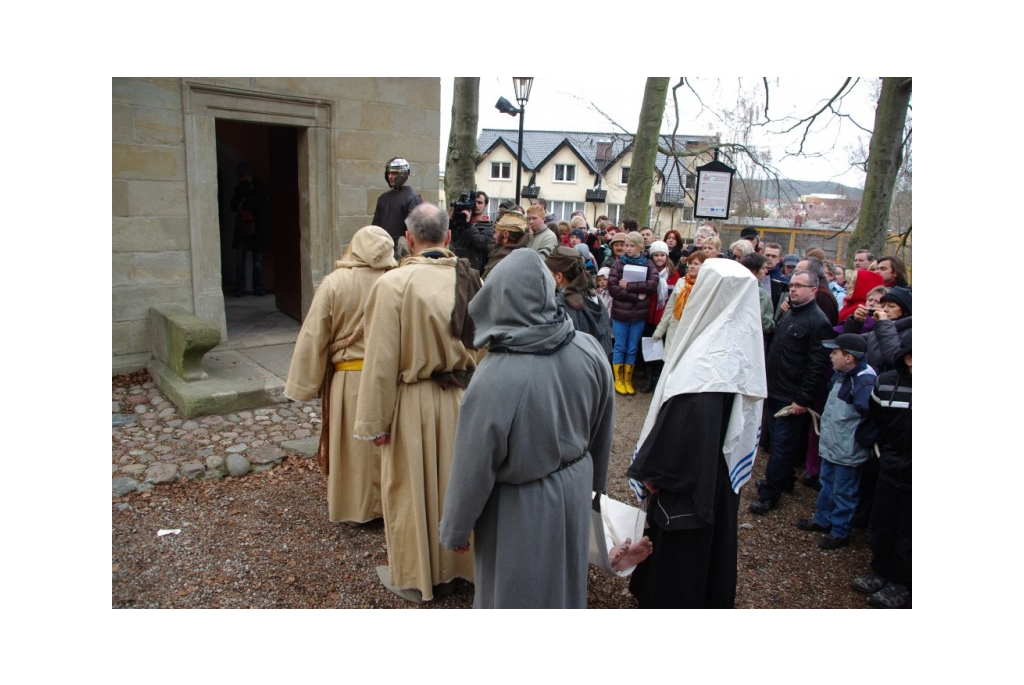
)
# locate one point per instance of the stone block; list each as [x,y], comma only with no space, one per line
[180,339]
[131,337]
[158,126]
[368,175]
[140,162]
[160,267]
[238,465]
[133,302]
[268,454]
[193,469]
[376,116]
[157,198]
[356,145]
[122,485]
[150,234]
[418,122]
[123,123]
[127,363]
[162,473]
[348,114]
[162,93]
[119,192]
[424,93]
[121,269]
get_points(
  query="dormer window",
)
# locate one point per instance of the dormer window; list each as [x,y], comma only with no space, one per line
[566,173]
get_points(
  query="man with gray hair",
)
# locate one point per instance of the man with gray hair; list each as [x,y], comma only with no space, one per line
[419,358]
[862,259]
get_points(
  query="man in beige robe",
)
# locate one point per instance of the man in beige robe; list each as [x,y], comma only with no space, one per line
[332,341]
[409,399]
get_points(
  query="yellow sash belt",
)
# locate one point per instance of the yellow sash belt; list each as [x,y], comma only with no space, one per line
[350,365]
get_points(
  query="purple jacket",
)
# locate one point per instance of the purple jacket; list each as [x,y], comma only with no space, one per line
[626,303]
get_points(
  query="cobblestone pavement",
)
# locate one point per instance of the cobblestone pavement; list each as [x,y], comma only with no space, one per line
[152,444]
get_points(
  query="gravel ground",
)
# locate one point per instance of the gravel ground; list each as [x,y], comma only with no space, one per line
[264,541]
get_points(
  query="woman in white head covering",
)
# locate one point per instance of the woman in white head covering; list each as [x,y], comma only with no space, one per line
[697,446]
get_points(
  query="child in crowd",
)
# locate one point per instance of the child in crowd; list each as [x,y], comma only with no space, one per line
[845,442]
[602,288]
[632,281]
[888,581]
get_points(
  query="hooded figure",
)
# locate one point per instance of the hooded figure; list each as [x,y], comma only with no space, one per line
[532,443]
[575,290]
[697,445]
[866,282]
[331,341]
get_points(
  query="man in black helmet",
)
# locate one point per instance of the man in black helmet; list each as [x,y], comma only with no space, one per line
[394,205]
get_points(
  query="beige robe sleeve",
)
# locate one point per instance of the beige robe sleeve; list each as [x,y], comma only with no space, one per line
[309,359]
[378,386]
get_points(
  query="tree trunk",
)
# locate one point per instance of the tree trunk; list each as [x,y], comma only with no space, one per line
[645,150]
[885,155]
[460,164]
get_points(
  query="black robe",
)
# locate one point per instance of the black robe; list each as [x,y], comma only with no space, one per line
[692,519]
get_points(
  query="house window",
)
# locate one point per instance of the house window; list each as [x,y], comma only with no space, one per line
[625,175]
[614,211]
[687,213]
[501,171]
[564,210]
[565,173]
[691,181]
[493,206]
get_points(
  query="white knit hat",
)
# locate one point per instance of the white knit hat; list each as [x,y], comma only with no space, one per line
[659,247]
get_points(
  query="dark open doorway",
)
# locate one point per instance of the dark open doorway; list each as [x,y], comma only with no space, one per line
[272,152]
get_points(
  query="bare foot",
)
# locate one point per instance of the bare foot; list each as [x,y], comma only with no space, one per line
[618,553]
[630,554]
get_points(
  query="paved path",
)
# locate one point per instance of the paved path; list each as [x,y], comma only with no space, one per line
[152,444]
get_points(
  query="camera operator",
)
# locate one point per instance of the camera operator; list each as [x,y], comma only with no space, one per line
[472,231]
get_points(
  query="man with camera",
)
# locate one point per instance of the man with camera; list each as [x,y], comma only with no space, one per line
[472,231]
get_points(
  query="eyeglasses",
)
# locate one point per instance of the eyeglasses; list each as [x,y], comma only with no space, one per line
[800,285]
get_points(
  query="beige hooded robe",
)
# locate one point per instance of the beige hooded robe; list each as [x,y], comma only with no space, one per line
[335,318]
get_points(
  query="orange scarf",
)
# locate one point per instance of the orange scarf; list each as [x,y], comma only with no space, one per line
[683,295]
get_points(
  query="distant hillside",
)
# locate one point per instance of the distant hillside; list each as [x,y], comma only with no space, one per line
[797,188]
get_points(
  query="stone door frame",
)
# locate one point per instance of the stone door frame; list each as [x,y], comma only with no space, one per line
[203,104]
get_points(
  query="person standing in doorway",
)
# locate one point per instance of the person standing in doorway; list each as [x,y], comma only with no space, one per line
[252,228]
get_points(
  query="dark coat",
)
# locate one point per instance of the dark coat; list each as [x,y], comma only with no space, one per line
[252,197]
[798,363]
[392,208]
[884,341]
[626,303]
[473,242]
[891,403]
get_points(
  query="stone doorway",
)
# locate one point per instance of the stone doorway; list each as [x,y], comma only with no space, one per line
[283,133]
[271,152]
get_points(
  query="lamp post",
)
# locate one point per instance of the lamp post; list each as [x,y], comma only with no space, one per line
[522,85]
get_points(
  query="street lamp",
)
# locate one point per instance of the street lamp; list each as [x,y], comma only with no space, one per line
[522,85]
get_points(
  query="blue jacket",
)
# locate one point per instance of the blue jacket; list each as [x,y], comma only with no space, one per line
[847,433]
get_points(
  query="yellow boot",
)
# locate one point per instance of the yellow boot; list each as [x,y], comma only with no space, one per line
[620,386]
[628,382]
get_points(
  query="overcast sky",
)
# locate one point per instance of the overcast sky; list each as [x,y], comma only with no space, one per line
[564,104]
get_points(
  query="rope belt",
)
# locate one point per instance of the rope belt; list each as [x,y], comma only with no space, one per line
[567,464]
[350,365]
[446,379]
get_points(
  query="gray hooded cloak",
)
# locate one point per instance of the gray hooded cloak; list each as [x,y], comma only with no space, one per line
[540,400]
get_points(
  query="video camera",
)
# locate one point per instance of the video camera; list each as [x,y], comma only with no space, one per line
[465,203]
